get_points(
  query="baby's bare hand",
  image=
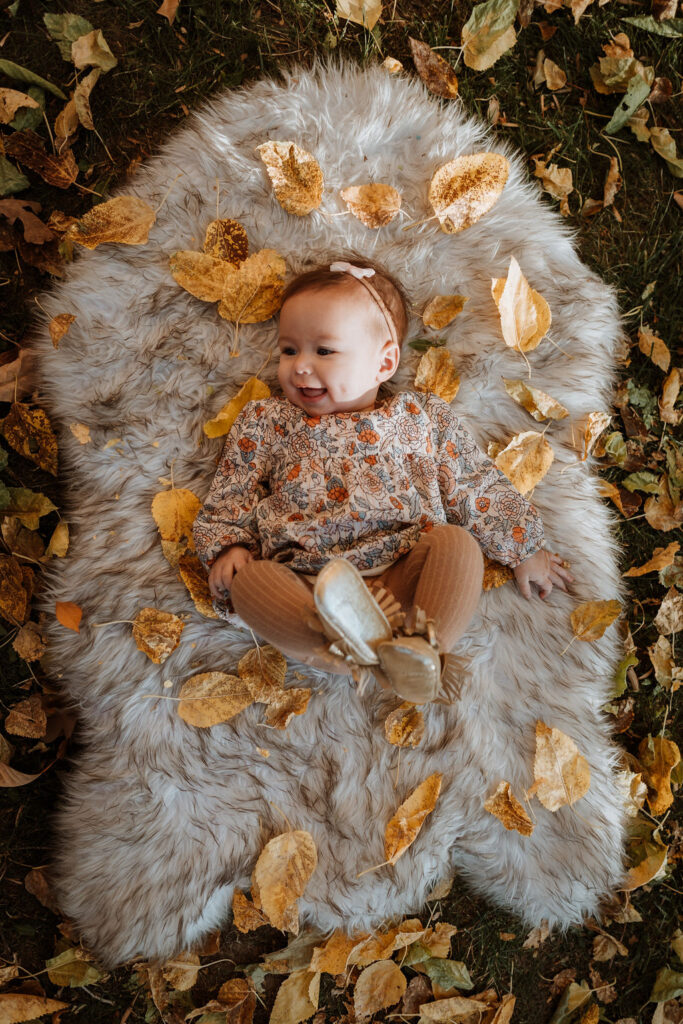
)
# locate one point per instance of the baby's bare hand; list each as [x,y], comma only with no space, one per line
[544,568]
[223,569]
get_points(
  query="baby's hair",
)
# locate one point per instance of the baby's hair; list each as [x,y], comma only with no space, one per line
[391,292]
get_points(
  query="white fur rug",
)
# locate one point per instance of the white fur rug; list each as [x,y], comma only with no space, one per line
[159,820]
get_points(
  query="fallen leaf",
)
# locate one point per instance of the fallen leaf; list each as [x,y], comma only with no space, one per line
[669,618]
[293,1002]
[406,823]
[93,49]
[374,205]
[295,175]
[174,512]
[392,65]
[246,916]
[282,707]
[555,77]
[556,180]
[222,422]
[125,219]
[561,773]
[226,240]
[668,675]
[404,727]
[661,558]
[454,1009]
[182,971]
[654,348]
[282,872]
[16,1007]
[58,327]
[168,10]
[663,144]
[463,190]
[73,968]
[660,511]
[651,867]
[504,805]
[537,403]
[27,718]
[263,669]
[332,957]
[380,985]
[81,98]
[524,314]
[606,947]
[361,12]
[157,633]
[436,73]
[210,698]
[658,757]
[12,100]
[253,291]
[488,33]
[29,149]
[30,433]
[437,374]
[442,310]
[670,390]
[590,619]
[69,614]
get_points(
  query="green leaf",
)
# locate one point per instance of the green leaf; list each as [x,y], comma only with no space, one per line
[416,954]
[30,117]
[673,27]
[11,179]
[616,447]
[71,969]
[422,344]
[643,480]
[668,985]
[495,16]
[644,401]
[447,973]
[636,94]
[620,675]
[65,29]
[20,74]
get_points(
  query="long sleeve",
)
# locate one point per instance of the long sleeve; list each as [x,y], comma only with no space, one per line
[478,496]
[228,515]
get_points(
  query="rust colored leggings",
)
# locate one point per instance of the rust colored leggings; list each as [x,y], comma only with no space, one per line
[442,574]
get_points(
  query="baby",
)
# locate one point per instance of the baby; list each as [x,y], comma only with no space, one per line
[339,469]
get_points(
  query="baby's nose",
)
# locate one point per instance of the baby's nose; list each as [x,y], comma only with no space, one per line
[301,366]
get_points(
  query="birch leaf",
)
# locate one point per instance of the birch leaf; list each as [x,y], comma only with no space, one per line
[596,424]
[246,916]
[12,100]
[436,373]
[263,669]
[663,144]
[174,512]
[556,181]
[488,33]
[16,1007]
[125,219]
[466,188]
[454,1009]
[380,985]
[222,423]
[670,390]
[651,867]
[333,956]
[442,310]
[525,460]
[669,618]
[654,348]
[537,403]
[293,1002]
[561,773]
[157,633]
[226,240]
[590,619]
[406,823]
[524,314]
[555,77]
[361,12]
[374,205]
[295,175]
[504,805]
[282,872]
[209,698]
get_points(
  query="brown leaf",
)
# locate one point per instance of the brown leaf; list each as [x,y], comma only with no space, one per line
[669,618]
[362,12]
[124,219]
[157,633]
[27,718]
[29,149]
[659,757]
[296,999]
[554,75]
[282,872]
[92,48]
[282,707]
[295,175]
[14,596]
[10,777]
[253,291]
[525,460]
[332,957]
[21,209]
[379,986]
[81,98]
[404,727]
[406,823]
[69,614]
[651,867]
[17,1006]
[442,310]
[246,916]
[12,100]
[37,884]
[436,73]
[374,205]
[463,190]
[30,433]
[59,325]
[182,970]
[168,10]
[453,1009]
[504,805]
[661,558]
[226,240]
[670,390]
[556,180]
[561,773]
[537,403]
[654,348]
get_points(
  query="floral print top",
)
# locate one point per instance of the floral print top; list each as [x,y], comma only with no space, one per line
[301,488]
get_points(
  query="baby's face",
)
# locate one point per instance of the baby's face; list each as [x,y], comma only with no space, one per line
[335,349]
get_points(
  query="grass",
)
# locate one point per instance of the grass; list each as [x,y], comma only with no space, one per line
[163,73]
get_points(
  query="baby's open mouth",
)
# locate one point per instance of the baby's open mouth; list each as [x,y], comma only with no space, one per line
[312,392]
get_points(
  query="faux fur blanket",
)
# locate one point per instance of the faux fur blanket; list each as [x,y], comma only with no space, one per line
[159,820]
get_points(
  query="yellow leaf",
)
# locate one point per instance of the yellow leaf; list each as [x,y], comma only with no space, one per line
[16,1007]
[122,219]
[488,33]
[380,985]
[295,175]
[374,205]
[200,273]
[282,872]
[58,327]
[466,188]
[157,633]
[561,773]
[670,390]
[174,512]
[504,805]
[654,348]
[436,73]
[439,943]
[246,917]
[660,511]
[212,697]
[333,955]
[525,460]
[194,576]
[293,1002]
[555,77]
[253,291]
[503,1014]
[436,373]
[653,866]
[69,614]
[392,65]
[454,1009]
[590,619]
[12,100]
[182,971]
[405,726]
[658,757]
[383,945]
[263,669]
[537,403]
[524,314]
[633,791]
[226,240]
[442,310]
[668,675]
[284,705]
[556,180]
[661,558]
[221,423]
[596,423]
[406,823]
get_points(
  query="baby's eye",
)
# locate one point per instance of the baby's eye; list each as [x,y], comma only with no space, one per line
[325,351]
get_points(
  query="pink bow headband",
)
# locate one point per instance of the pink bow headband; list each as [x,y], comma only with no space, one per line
[361,273]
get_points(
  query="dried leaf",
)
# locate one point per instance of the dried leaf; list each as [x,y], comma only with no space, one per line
[253,291]
[670,390]
[661,558]
[380,985]
[361,12]
[590,619]
[246,916]
[295,175]
[555,77]
[442,310]
[556,180]
[93,49]
[16,1007]
[654,348]
[404,727]
[633,791]
[27,718]
[525,460]
[663,144]
[282,872]
[332,957]
[73,967]
[174,512]
[504,805]
[436,373]
[226,240]
[524,314]
[12,100]
[669,618]
[209,698]
[222,422]
[658,757]
[561,773]
[69,614]
[392,65]
[605,947]
[29,149]
[30,433]
[651,867]
[436,73]
[81,99]
[282,707]
[660,512]
[263,669]
[374,205]
[456,1008]
[125,219]
[466,188]
[406,823]
[182,971]
[293,1002]
[488,33]
[59,326]
[157,633]
[668,675]
[537,403]
[168,10]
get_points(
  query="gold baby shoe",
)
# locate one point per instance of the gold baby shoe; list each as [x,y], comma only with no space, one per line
[349,614]
[413,667]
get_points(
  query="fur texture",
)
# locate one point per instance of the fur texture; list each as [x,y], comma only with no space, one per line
[159,820]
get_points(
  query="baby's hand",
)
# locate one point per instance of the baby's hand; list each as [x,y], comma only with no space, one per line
[225,566]
[543,568]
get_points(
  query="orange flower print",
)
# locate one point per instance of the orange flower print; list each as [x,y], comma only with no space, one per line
[246,444]
[294,472]
[519,534]
[395,502]
[414,409]
[294,516]
[311,421]
[279,429]
[371,460]
[482,504]
[451,449]
[301,444]
[368,436]
[337,492]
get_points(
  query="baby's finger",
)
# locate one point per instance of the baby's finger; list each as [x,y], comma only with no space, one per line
[523,585]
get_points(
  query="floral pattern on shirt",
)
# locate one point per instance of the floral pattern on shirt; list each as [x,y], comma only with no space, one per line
[302,488]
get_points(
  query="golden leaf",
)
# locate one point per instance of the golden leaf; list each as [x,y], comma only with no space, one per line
[293,1002]
[182,971]
[27,718]
[659,757]
[651,867]
[295,175]
[333,955]
[670,390]
[282,872]
[15,1007]
[466,188]
[661,558]
[436,73]
[361,12]
[504,805]
[668,675]
[495,574]
[406,823]
[524,314]
[226,240]
[654,348]
[122,219]
[590,619]
[660,511]
[58,327]
[378,986]
[212,697]
[453,1009]
[503,1014]
[283,706]
[383,945]
[405,726]
[555,77]
[69,614]
[81,432]
[374,205]
[436,373]
[30,644]
[30,433]
[556,181]
[263,669]
[14,596]
[223,421]
[596,424]
[439,942]
[537,403]
[246,917]
[525,460]
[200,274]
[253,291]
[157,633]
[194,576]
[442,310]
[174,512]
[561,773]
[392,65]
